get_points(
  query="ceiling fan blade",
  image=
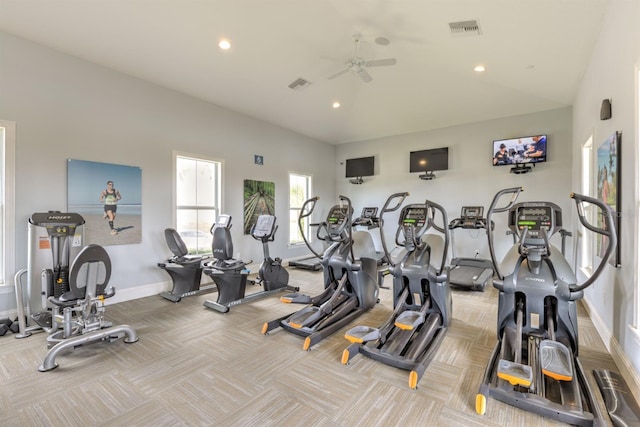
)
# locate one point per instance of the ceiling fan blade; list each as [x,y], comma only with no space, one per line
[380,62]
[364,75]
[339,73]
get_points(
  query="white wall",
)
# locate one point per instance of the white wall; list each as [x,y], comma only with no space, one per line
[471,179]
[611,74]
[66,108]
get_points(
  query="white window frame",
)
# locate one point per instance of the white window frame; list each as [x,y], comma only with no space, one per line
[220,193]
[636,307]
[586,239]
[7,201]
[309,180]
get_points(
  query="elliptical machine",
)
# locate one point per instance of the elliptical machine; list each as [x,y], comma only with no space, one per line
[350,279]
[230,275]
[534,365]
[421,295]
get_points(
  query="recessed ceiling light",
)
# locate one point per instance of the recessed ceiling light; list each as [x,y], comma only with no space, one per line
[224,44]
[336,104]
[479,68]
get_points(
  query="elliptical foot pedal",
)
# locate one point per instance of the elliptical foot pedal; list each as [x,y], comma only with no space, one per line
[305,317]
[44,319]
[621,405]
[362,334]
[515,373]
[409,320]
[296,298]
[555,360]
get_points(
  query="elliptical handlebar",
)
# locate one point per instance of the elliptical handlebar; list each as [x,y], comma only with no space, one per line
[608,231]
[515,192]
[444,230]
[307,209]
[401,198]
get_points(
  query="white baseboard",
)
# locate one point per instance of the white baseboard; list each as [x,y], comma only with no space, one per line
[617,353]
[136,292]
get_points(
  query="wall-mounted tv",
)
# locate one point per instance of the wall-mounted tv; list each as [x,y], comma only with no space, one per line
[520,151]
[436,159]
[362,166]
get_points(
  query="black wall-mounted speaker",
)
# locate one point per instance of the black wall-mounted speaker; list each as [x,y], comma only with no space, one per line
[605,109]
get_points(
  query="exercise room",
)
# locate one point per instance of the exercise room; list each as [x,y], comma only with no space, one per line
[288,212]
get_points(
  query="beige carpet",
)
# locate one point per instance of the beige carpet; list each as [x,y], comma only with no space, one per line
[193,366]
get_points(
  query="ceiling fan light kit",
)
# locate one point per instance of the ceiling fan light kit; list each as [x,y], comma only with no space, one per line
[359,65]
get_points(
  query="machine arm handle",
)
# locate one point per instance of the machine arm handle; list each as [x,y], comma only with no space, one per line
[608,230]
[349,224]
[515,192]
[400,198]
[306,211]
[432,205]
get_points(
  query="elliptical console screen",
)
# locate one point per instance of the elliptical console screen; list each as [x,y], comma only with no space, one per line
[535,219]
[337,219]
[414,216]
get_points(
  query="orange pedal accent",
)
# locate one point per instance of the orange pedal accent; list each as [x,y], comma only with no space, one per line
[307,344]
[515,380]
[264,328]
[403,326]
[556,376]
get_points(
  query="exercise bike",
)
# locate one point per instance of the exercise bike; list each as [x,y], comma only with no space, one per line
[534,365]
[350,279]
[185,270]
[421,295]
[230,275]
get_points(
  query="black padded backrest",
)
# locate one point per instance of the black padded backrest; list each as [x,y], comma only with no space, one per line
[91,267]
[175,242]
[222,245]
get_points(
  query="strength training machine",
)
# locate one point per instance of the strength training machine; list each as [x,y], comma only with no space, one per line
[421,296]
[53,286]
[230,275]
[534,365]
[350,278]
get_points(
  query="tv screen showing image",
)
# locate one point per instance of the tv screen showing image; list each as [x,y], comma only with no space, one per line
[518,151]
[436,159]
[360,167]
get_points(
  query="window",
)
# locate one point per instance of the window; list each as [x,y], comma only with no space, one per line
[299,192]
[198,200]
[585,237]
[7,225]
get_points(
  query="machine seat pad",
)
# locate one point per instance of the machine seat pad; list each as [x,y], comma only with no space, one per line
[91,267]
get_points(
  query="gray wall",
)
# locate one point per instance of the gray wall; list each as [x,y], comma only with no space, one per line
[65,107]
[612,74]
[471,179]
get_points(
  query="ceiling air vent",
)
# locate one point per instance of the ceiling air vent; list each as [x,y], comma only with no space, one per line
[465,28]
[299,84]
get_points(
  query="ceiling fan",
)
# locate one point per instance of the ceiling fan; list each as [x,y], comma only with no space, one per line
[359,65]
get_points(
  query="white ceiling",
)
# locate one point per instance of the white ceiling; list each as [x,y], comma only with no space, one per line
[535,52]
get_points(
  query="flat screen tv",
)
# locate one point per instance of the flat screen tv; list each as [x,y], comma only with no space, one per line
[520,151]
[357,168]
[435,159]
